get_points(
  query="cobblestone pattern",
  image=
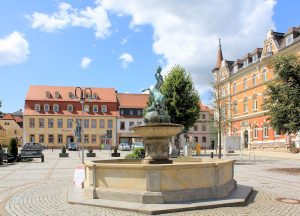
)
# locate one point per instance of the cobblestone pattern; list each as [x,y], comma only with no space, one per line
[35,188]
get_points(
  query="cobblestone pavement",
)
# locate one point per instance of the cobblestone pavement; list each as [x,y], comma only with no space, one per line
[35,188]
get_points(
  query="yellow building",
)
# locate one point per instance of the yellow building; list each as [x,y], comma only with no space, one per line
[2,135]
[52,113]
[243,89]
[13,127]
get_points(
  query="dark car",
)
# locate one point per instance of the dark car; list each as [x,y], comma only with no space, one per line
[73,147]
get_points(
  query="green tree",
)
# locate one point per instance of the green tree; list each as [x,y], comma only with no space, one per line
[13,147]
[182,100]
[283,95]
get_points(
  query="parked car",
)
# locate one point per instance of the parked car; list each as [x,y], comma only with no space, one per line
[33,145]
[137,145]
[73,147]
[124,147]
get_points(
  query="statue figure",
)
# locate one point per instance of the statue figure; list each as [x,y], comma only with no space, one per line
[156,110]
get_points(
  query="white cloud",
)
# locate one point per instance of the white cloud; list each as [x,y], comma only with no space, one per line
[125,58]
[187,32]
[14,49]
[124,41]
[66,16]
[85,62]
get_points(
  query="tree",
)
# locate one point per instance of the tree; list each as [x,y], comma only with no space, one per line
[283,95]
[182,100]
[13,147]
[222,108]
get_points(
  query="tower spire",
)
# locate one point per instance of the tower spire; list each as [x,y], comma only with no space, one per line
[219,55]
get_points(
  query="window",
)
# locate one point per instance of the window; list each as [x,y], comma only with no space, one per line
[31,123]
[95,108]
[86,123]
[70,108]
[57,95]
[95,96]
[234,87]
[55,108]
[71,95]
[86,138]
[204,139]
[102,123]
[266,131]
[195,127]
[122,112]
[254,104]
[46,107]
[122,125]
[264,74]
[32,139]
[59,138]
[289,40]
[235,68]
[245,105]
[245,63]
[195,139]
[255,132]
[254,79]
[86,108]
[94,123]
[131,112]
[269,48]
[50,123]
[41,123]
[203,127]
[48,94]
[277,133]
[104,108]
[6,123]
[109,133]
[59,123]
[109,123]
[245,83]
[203,116]
[131,124]
[254,58]
[139,112]
[94,138]
[50,138]
[70,123]
[235,111]
[41,138]
[139,123]
[37,107]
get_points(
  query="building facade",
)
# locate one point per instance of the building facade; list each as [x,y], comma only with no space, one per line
[2,136]
[131,107]
[53,113]
[13,126]
[243,88]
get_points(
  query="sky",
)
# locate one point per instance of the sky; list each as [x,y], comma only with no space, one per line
[120,44]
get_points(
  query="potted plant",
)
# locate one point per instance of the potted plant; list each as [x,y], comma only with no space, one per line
[63,152]
[90,153]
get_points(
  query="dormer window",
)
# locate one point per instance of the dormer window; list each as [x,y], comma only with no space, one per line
[86,108]
[104,108]
[95,96]
[254,58]
[71,95]
[245,62]
[55,107]
[48,94]
[131,112]
[57,95]
[46,107]
[235,68]
[37,107]
[289,40]
[95,108]
[70,108]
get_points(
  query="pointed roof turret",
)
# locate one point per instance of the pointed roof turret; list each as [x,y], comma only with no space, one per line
[219,56]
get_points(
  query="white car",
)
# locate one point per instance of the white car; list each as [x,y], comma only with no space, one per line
[137,145]
[124,147]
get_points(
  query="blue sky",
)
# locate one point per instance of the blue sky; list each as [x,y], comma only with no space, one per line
[44,42]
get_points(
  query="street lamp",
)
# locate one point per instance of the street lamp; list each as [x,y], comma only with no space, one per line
[82,94]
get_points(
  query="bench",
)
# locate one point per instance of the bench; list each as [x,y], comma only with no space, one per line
[32,153]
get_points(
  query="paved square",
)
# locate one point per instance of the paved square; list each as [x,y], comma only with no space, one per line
[35,188]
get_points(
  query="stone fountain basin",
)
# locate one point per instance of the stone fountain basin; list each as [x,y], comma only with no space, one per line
[134,181]
[158,130]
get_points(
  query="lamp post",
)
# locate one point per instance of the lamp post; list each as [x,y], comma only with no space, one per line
[82,94]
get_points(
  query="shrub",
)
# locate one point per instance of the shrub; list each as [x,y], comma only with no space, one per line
[90,150]
[132,156]
[136,154]
[63,150]
[13,147]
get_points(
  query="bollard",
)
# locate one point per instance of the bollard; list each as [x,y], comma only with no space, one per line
[211,155]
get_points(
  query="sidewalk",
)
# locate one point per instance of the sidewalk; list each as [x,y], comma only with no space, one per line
[285,155]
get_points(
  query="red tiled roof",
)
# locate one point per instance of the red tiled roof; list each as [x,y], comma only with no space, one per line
[18,119]
[39,93]
[205,108]
[8,117]
[132,100]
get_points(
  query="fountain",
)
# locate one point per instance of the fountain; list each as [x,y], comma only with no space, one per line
[157,182]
